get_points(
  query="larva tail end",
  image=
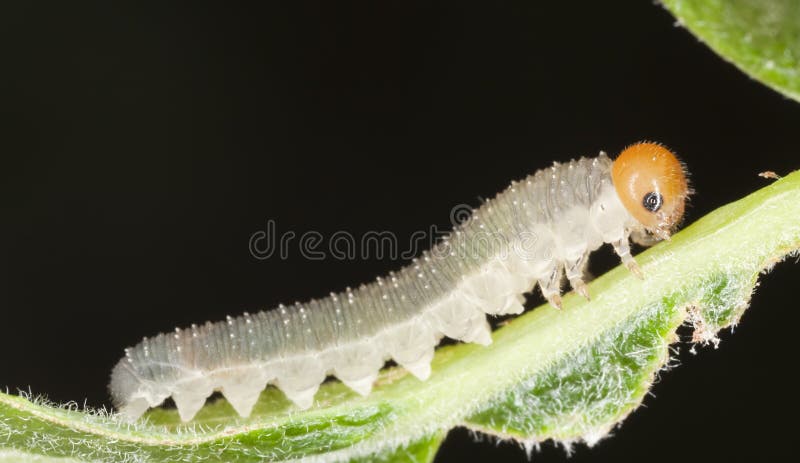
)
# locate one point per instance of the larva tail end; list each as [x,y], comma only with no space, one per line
[130,393]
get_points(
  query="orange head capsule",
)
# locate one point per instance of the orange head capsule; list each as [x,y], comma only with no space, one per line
[651,183]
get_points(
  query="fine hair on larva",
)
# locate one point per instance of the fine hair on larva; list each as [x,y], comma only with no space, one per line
[536,232]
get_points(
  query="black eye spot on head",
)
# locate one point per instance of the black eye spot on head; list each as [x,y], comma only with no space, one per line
[652,201]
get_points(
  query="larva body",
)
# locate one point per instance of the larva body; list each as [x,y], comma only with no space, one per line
[535,231]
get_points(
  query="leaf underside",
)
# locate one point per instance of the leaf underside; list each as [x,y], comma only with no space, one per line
[760,37]
[567,375]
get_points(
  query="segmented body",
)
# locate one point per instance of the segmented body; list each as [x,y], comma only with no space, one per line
[533,232]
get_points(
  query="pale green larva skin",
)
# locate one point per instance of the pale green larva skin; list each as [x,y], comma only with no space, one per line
[533,232]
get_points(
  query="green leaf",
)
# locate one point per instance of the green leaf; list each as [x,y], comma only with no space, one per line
[568,375]
[761,37]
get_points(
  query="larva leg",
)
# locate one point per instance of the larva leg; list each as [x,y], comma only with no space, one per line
[191,397]
[623,250]
[574,270]
[242,388]
[132,411]
[551,287]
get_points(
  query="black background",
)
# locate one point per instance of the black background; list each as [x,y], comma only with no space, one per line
[143,146]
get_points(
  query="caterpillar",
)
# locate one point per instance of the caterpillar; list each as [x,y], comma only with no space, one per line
[535,232]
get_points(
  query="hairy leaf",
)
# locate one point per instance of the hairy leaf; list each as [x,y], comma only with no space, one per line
[761,37]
